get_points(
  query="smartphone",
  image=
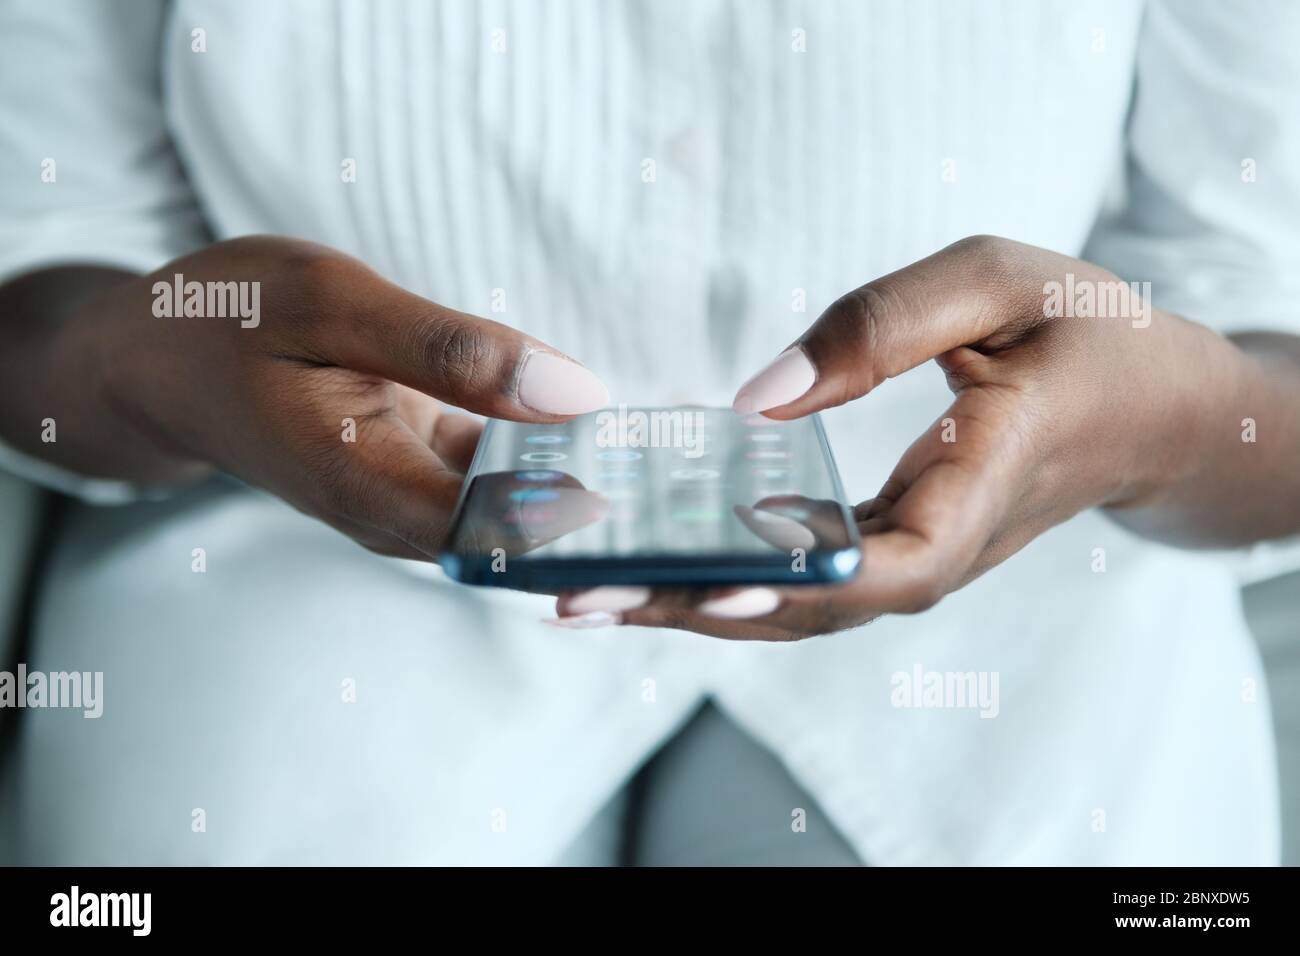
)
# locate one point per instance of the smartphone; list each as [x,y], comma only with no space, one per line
[666,497]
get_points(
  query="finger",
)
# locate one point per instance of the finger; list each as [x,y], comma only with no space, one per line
[420,412]
[742,614]
[397,486]
[452,437]
[784,521]
[907,568]
[599,606]
[378,542]
[455,439]
[634,605]
[388,482]
[925,532]
[822,519]
[517,512]
[871,508]
[929,526]
[780,531]
[475,364]
[870,526]
[958,296]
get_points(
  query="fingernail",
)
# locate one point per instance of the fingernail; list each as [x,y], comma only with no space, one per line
[569,510]
[582,621]
[777,530]
[607,598]
[753,602]
[789,376]
[557,386]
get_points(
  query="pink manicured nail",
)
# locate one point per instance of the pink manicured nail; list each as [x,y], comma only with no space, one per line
[776,529]
[789,376]
[609,598]
[569,510]
[583,621]
[753,602]
[557,386]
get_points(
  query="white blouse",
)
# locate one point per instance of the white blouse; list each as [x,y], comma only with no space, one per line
[670,192]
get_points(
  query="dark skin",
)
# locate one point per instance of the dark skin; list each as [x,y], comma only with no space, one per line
[1052,416]
[149,399]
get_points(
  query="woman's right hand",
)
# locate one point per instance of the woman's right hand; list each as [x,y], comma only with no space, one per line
[329,397]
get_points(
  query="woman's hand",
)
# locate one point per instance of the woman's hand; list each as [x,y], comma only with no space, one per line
[327,397]
[1053,415]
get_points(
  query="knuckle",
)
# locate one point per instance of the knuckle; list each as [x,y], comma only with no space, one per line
[318,279]
[982,248]
[995,266]
[865,314]
[308,286]
[857,314]
[254,251]
[458,353]
[318,267]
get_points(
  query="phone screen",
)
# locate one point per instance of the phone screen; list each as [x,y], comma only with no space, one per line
[653,496]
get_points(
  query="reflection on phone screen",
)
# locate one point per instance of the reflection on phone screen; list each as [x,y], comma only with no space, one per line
[682,481]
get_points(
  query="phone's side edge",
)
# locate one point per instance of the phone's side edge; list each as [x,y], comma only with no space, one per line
[450,562]
[837,485]
[833,566]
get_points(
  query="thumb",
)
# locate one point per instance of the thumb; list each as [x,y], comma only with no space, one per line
[955,297]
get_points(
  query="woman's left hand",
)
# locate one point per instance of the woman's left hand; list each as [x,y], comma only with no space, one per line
[1053,415]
